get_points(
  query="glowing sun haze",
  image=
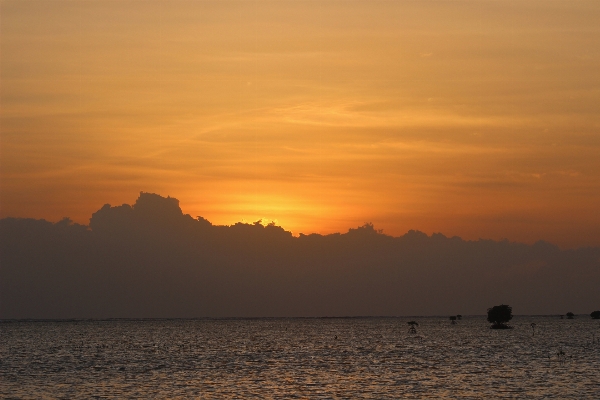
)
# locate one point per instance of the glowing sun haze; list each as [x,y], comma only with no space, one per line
[470,118]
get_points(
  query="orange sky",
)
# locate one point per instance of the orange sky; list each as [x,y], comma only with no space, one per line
[470,118]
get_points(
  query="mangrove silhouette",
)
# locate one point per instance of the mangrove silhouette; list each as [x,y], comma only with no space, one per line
[570,315]
[412,327]
[595,314]
[151,260]
[499,316]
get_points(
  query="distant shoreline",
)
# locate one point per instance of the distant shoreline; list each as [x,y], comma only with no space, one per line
[16,320]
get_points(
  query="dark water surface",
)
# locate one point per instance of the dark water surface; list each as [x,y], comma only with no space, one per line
[300,358]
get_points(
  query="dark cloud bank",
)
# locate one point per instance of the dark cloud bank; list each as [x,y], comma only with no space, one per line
[151,260]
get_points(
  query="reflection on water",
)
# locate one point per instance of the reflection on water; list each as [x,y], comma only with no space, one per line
[301,358]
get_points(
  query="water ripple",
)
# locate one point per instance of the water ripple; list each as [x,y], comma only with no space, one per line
[366,358]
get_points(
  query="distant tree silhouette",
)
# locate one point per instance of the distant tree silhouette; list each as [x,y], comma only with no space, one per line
[453,319]
[595,314]
[570,315]
[459,317]
[499,316]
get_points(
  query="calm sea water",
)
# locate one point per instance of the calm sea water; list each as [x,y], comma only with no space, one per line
[300,358]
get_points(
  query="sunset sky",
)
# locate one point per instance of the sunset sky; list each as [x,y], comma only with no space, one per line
[472,118]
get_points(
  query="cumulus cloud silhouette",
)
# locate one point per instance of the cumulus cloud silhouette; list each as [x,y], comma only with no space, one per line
[151,260]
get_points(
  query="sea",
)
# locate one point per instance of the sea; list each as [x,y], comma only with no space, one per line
[302,358]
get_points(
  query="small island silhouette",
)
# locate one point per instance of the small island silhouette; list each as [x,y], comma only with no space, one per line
[499,316]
